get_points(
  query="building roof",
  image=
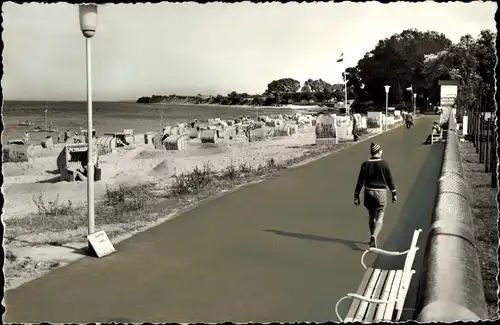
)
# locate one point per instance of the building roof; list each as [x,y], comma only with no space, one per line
[448,82]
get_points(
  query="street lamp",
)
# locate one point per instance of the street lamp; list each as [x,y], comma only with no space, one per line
[414,103]
[386,104]
[88,26]
[345,90]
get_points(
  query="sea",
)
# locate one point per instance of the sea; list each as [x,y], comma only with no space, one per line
[113,116]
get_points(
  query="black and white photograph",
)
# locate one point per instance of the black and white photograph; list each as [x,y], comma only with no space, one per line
[249,162]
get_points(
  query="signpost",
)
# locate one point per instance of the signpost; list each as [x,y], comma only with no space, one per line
[101,244]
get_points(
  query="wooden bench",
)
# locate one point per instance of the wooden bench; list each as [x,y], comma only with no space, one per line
[436,136]
[382,293]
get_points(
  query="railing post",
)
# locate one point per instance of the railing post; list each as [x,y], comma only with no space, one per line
[481,139]
[494,162]
[486,146]
[476,132]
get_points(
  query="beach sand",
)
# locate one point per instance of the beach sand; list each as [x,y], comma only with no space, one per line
[137,164]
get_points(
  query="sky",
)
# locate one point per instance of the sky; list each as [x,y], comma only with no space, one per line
[189,48]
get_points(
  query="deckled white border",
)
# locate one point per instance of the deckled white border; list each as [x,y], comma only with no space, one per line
[498,164]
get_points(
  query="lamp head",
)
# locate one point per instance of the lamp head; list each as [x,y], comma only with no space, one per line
[414,95]
[387,88]
[88,19]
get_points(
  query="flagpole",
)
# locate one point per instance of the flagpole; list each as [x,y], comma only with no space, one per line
[341,59]
[345,89]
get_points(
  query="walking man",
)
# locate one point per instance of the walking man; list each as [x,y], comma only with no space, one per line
[375,175]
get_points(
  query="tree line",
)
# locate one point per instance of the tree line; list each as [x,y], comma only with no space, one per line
[278,92]
[409,59]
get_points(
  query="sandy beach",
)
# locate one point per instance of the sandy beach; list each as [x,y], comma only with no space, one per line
[31,254]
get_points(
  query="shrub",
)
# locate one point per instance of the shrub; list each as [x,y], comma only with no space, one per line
[51,208]
[192,182]
[230,172]
[271,164]
[245,168]
[126,198]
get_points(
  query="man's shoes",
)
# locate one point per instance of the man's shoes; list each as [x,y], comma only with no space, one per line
[373,242]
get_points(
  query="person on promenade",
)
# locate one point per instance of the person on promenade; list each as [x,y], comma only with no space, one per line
[436,129]
[67,135]
[409,120]
[375,175]
[26,137]
[355,128]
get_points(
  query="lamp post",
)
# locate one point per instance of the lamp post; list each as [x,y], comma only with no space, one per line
[414,103]
[345,90]
[88,26]
[386,104]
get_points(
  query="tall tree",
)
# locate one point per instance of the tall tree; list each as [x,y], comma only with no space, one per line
[397,61]
[284,85]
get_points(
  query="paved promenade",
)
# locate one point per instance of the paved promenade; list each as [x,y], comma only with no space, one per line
[282,250]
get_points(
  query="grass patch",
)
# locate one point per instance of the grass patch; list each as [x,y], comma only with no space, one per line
[51,208]
[122,205]
[485,219]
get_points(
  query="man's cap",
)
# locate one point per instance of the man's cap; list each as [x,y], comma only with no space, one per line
[374,148]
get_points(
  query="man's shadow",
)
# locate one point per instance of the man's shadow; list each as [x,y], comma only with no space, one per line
[352,244]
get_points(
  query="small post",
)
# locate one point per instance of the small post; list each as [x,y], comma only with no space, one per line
[414,104]
[494,163]
[471,116]
[486,146]
[481,139]
[476,133]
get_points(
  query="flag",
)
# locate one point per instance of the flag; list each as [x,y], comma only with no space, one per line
[409,88]
[341,58]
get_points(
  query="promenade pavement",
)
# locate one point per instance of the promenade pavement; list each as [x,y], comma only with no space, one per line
[285,249]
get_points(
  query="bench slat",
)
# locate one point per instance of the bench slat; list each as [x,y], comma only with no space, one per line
[361,291]
[402,293]
[363,305]
[385,295]
[389,309]
[376,295]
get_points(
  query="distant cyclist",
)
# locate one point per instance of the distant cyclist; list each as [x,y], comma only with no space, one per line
[409,120]
[375,175]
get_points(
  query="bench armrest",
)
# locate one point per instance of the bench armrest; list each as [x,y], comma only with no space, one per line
[381,252]
[360,297]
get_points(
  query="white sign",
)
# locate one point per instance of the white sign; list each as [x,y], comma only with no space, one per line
[449,91]
[448,95]
[101,244]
